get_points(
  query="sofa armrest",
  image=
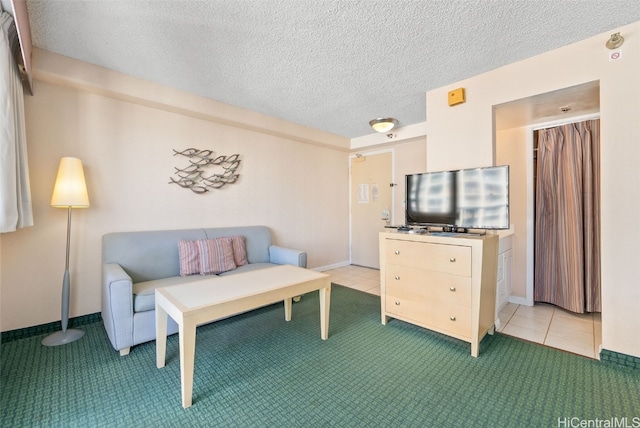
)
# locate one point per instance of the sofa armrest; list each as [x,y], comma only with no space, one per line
[287,256]
[117,305]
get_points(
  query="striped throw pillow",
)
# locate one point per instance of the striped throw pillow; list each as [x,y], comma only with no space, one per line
[239,250]
[189,258]
[216,255]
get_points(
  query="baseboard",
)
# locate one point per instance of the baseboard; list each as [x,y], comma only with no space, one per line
[333,266]
[36,330]
[619,359]
[518,300]
[22,333]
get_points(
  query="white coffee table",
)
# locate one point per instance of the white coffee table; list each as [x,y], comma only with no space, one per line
[217,297]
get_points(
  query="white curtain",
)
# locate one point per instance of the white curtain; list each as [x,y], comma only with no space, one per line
[15,192]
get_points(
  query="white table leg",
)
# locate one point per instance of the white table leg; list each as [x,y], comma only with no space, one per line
[287,309]
[161,336]
[325,304]
[187,358]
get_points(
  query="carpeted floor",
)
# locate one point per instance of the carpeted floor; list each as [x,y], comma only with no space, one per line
[256,370]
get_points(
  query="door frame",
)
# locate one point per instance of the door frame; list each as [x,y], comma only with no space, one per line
[393,174]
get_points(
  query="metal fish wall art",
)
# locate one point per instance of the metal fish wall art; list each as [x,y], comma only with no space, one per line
[205,171]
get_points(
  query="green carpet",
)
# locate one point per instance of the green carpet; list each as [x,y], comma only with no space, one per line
[256,370]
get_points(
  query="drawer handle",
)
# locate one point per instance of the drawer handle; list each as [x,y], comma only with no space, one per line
[397,277]
[452,259]
[452,288]
[452,318]
[397,302]
[397,252]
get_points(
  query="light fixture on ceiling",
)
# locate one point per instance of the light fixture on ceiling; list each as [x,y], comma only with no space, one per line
[383,124]
[615,41]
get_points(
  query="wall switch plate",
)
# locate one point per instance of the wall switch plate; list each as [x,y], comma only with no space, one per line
[456,96]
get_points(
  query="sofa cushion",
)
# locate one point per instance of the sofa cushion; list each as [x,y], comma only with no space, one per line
[257,240]
[216,255]
[239,250]
[144,293]
[189,258]
[247,268]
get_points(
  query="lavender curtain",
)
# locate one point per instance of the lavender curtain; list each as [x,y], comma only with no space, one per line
[15,192]
[567,242]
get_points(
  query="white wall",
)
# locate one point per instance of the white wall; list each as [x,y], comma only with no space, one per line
[292,179]
[410,158]
[511,150]
[463,136]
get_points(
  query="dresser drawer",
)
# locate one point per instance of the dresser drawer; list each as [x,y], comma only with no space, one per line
[452,259]
[450,319]
[453,319]
[427,286]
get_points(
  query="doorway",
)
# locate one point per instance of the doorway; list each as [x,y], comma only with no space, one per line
[567,216]
[514,123]
[371,205]
[538,322]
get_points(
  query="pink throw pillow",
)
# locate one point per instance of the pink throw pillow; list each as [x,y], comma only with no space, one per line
[239,250]
[216,255]
[189,258]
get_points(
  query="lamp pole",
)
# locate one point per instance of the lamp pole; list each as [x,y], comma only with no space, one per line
[65,336]
[66,286]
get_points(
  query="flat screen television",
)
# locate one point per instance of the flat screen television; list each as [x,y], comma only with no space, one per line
[463,199]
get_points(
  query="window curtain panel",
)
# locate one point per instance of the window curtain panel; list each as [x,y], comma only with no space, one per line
[15,193]
[567,242]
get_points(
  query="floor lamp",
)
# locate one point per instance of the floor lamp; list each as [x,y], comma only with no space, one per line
[70,191]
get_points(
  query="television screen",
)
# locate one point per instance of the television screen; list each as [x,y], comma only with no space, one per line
[430,198]
[467,199]
[482,198]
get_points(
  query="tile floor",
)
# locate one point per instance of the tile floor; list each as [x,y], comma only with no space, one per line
[542,323]
[553,326]
[357,277]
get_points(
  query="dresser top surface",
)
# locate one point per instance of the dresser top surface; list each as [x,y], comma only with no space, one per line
[438,237]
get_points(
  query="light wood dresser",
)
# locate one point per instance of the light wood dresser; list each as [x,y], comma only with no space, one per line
[444,283]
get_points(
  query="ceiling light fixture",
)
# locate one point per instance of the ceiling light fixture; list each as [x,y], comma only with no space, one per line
[615,41]
[383,125]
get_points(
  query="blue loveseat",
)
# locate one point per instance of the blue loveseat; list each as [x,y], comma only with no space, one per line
[134,264]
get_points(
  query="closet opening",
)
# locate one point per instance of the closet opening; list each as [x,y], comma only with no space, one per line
[518,125]
[566,193]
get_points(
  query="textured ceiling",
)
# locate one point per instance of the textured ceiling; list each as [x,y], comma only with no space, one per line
[331,65]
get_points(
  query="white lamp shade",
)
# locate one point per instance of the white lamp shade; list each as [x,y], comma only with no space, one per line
[70,189]
[383,125]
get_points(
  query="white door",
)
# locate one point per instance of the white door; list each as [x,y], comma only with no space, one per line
[371,205]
